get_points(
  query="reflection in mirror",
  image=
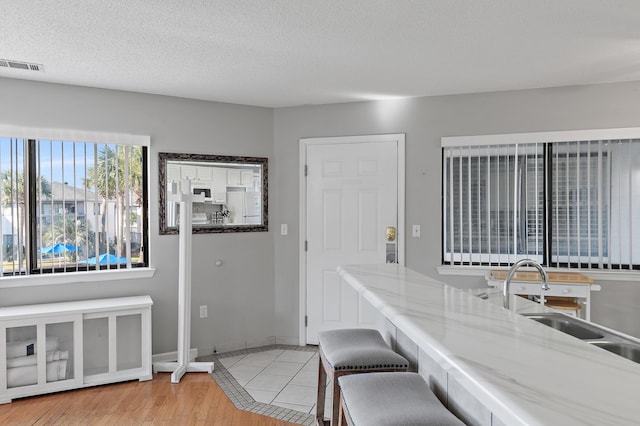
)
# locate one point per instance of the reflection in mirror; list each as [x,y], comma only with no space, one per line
[234,190]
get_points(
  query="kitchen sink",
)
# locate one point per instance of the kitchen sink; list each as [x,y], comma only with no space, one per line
[601,337]
[627,350]
[567,325]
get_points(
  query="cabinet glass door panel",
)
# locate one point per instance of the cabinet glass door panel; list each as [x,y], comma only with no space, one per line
[59,351]
[95,333]
[22,361]
[129,335]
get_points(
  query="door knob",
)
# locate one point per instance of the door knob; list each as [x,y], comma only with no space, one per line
[391,233]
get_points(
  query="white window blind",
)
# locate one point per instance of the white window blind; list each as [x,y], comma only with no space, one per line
[493,203]
[566,204]
[580,203]
[624,200]
[12,201]
[72,206]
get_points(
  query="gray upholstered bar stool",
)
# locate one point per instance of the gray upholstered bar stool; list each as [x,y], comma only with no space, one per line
[377,399]
[350,351]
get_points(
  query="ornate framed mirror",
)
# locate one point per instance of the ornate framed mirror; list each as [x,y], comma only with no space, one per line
[235,192]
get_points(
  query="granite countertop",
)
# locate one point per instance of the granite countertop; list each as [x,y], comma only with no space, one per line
[522,371]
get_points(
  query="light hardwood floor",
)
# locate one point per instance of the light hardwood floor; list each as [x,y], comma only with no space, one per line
[196,400]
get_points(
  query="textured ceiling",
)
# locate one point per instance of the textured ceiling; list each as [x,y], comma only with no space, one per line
[292,52]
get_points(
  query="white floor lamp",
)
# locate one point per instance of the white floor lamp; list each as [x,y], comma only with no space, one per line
[184,364]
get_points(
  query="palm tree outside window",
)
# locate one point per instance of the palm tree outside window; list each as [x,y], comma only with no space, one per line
[70,203]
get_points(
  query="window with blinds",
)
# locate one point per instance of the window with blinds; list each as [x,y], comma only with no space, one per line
[493,198]
[72,206]
[579,211]
[565,204]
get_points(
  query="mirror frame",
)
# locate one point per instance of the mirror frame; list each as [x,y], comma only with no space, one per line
[163,157]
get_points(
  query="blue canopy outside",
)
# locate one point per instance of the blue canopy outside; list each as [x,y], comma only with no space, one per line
[104,259]
[58,248]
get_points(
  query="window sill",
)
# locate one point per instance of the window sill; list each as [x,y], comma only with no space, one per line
[483,271]
[75,277]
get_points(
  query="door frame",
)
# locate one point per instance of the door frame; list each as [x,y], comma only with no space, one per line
[399,139]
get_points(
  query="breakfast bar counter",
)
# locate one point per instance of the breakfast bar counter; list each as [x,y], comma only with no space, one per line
[512,369]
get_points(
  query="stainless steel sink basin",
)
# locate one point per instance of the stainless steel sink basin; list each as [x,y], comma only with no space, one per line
[601,337]
[567,325]
[628,350]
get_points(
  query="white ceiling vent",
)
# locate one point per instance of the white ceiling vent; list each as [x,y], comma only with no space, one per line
[28,66]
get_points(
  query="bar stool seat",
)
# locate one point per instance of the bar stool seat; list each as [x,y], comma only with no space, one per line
[377,399]
[350,351]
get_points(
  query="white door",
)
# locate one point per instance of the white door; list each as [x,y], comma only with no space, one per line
[353,192]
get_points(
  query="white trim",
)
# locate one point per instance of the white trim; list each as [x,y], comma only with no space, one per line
[76,277]
[302,237]
[291,341]
[483,271]
[540,137]
[70,135]
[399,138]
[172,356]
[471,258]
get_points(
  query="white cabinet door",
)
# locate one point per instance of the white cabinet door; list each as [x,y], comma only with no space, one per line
[188,172]
[238,177]
[219,176]
[173,173]
[246,178]
[233,177]
[113,344]
[40,355]
[204,174]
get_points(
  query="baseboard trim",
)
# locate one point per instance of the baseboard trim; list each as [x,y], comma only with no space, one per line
[193,353]
[173,356]
[291,341]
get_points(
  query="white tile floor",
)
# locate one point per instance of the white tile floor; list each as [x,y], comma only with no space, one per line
[286,378]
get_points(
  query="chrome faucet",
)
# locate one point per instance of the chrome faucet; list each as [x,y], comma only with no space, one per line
[511,273]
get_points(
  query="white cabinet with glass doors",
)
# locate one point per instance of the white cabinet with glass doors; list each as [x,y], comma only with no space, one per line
[59,346]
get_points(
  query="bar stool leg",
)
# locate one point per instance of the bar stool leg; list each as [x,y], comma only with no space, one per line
[341,418]
[336,399]
[322,386]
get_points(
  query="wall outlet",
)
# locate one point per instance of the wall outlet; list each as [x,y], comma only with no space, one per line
[203,311]
[415,231]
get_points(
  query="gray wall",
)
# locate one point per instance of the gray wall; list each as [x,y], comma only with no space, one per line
[253,297]
[425,121]
[240,294]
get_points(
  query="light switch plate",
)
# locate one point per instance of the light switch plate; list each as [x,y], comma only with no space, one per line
[203,311]
[284,229]
[415,231]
